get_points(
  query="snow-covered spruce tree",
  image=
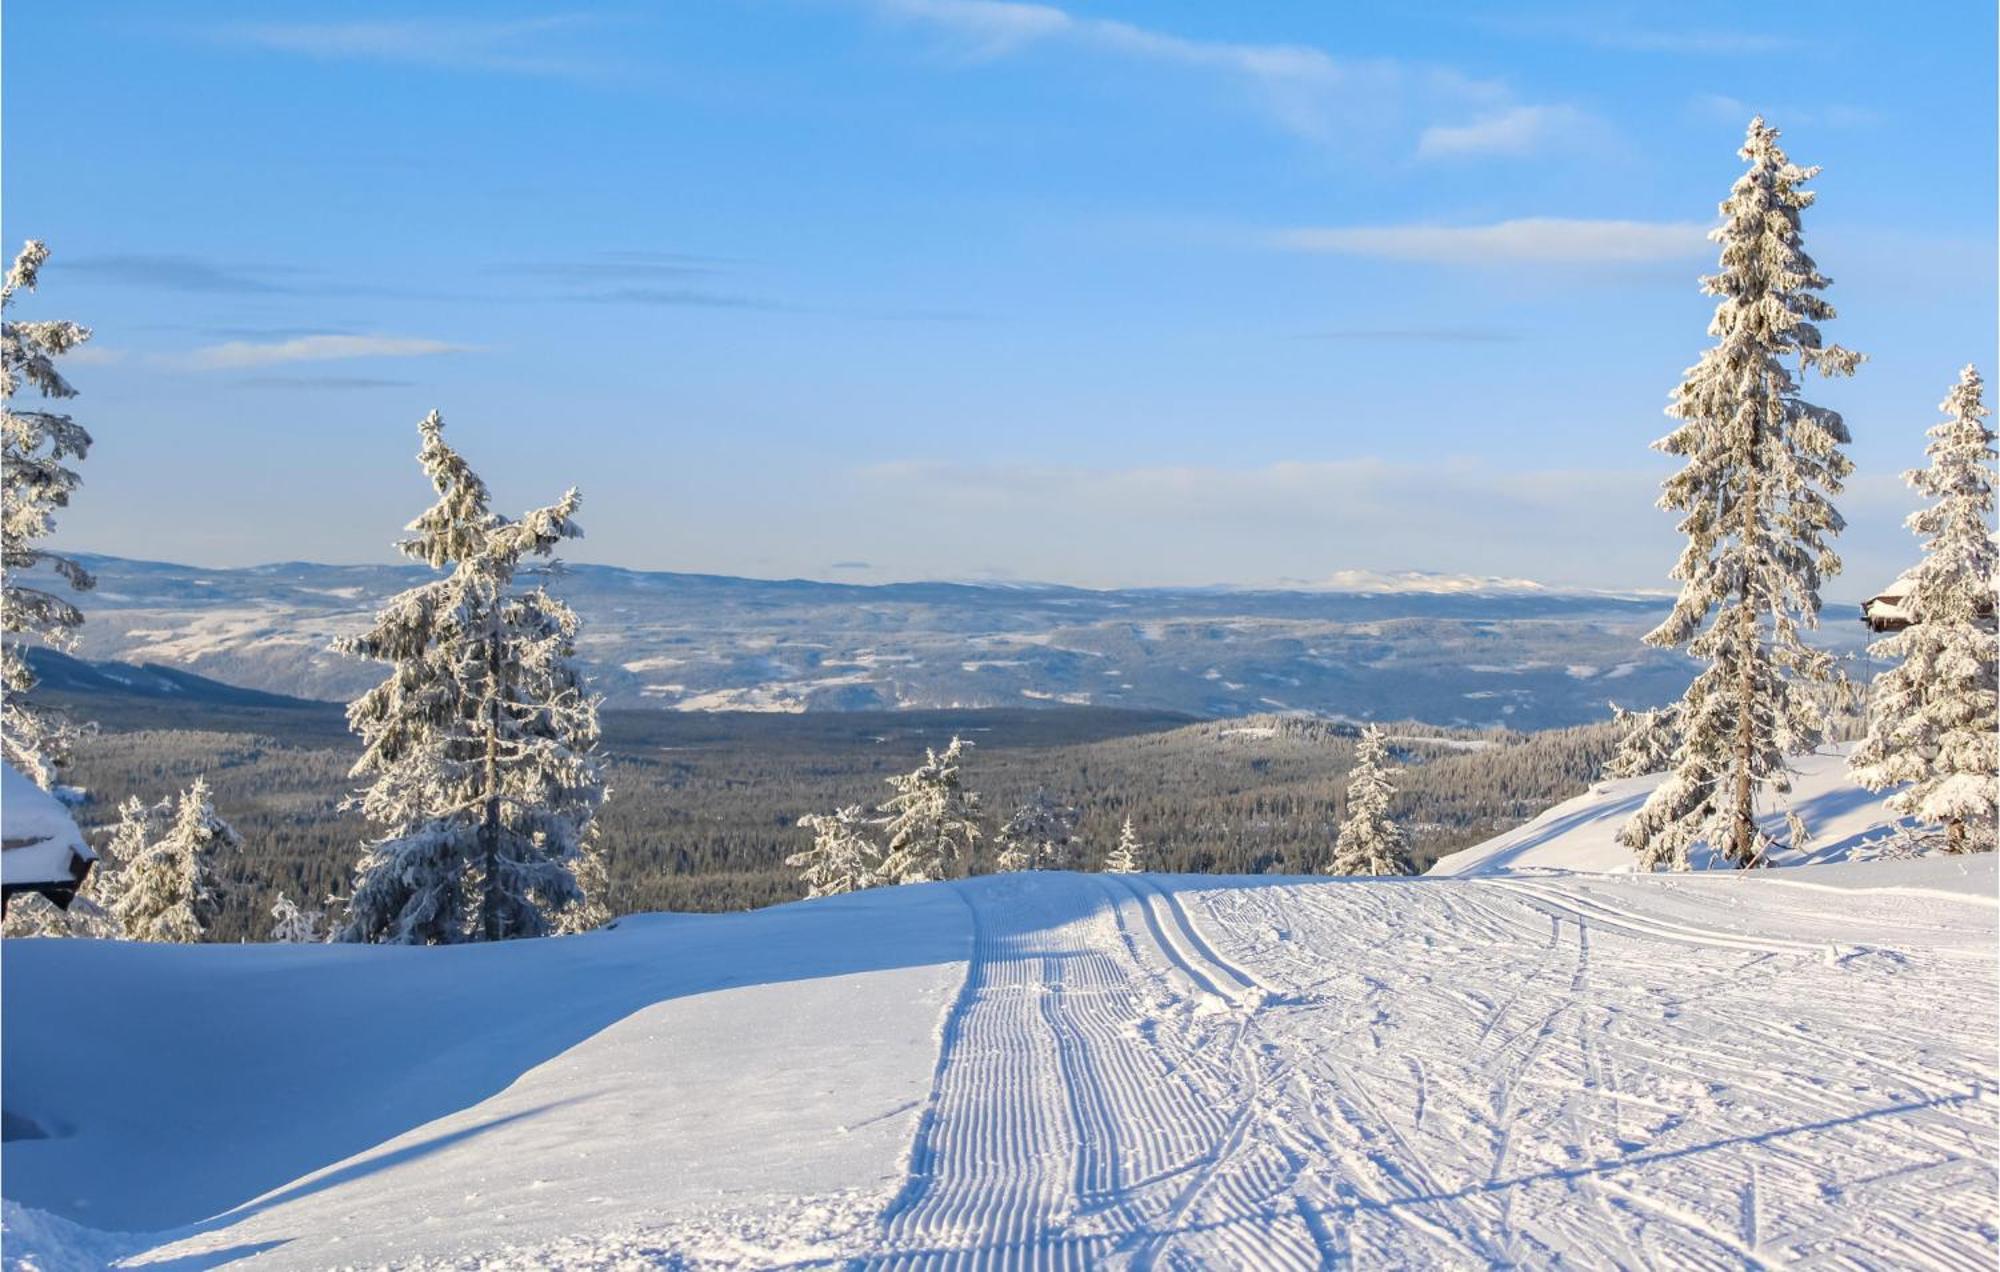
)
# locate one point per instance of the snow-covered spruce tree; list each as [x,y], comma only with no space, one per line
[1129,857]
[931,822]
[35,481]
[1646,744]
[1041,835]
[844,856]
[169,891]
[1934,718]
[1762,463]
[292,926]
[480,745]
[593,880]
[1370,841]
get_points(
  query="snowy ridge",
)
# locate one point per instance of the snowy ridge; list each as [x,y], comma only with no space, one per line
[1414,646]
[1140,1071]
[1847,824]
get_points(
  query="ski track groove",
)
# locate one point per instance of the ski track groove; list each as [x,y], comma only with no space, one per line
[1406,1073]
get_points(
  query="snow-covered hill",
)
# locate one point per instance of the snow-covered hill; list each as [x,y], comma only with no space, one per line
[1443,649]
[1847,823]
[1058,1069]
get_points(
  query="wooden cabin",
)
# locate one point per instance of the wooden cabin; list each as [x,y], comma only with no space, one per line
[41,849]
[1885,611]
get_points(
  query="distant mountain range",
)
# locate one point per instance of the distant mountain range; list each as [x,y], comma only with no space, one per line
[1458,651]
[59,674]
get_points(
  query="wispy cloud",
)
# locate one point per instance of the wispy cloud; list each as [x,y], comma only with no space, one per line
[1723,108]
[515,46]
[619,265]
[169,272]
[334,383]
[93,355]
[1306,90]
[1528,241]
[1177,523]
[1415,335]
[243,354]
[266,334]
[675,297]
[1599,29]
[1518,130]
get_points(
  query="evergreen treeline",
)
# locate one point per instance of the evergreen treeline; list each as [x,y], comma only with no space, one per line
[707,807]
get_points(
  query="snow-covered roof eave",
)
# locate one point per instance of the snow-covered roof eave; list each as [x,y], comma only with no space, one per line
[41,849]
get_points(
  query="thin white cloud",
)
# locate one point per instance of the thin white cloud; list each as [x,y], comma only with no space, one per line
[1722,108]
[1306,90]
[1711,42]
[1518,130]
[239,354]
[1305,518]
[1599,29]
[519,46]
[1527,241]
[1295,519]
[91,355]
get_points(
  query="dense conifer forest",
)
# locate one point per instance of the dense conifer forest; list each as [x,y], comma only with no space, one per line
[706,806]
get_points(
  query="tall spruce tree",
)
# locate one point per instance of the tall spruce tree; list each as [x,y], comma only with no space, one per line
[1754,499]
[169,889]
[35,481]
[931,821]
[1934,718]
[1370,842]
[843,857]
[480,745]
[1041,835]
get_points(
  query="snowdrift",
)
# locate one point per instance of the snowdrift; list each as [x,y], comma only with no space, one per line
[673,1058]
[1847,824]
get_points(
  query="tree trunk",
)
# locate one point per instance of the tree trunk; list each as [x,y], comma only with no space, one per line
[1743,848]
[489,826]
[1954,835]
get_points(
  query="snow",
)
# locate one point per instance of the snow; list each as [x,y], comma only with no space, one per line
[1422,581]
[37,821]
[346,1104]
[1581,834]
[1717,1069]
[1442,744]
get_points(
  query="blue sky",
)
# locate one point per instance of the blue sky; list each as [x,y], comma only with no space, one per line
[1109,293]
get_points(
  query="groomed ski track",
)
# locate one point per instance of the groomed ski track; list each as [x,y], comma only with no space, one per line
[1176,1073]
[1052,1071]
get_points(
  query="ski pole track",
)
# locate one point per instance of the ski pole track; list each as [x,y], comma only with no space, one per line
[1579,906]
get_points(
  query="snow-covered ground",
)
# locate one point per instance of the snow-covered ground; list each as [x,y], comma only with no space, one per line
[1846,822]
[1052,1070]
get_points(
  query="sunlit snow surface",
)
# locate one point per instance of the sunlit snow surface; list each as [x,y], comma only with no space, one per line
[1051,1070]
[1844,822]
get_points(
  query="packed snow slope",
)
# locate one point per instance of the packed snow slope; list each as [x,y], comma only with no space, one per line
[1847,823]
[1049,1070]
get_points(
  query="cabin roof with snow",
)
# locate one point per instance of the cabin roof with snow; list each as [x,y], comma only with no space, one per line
[1886,611]
[41,850]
